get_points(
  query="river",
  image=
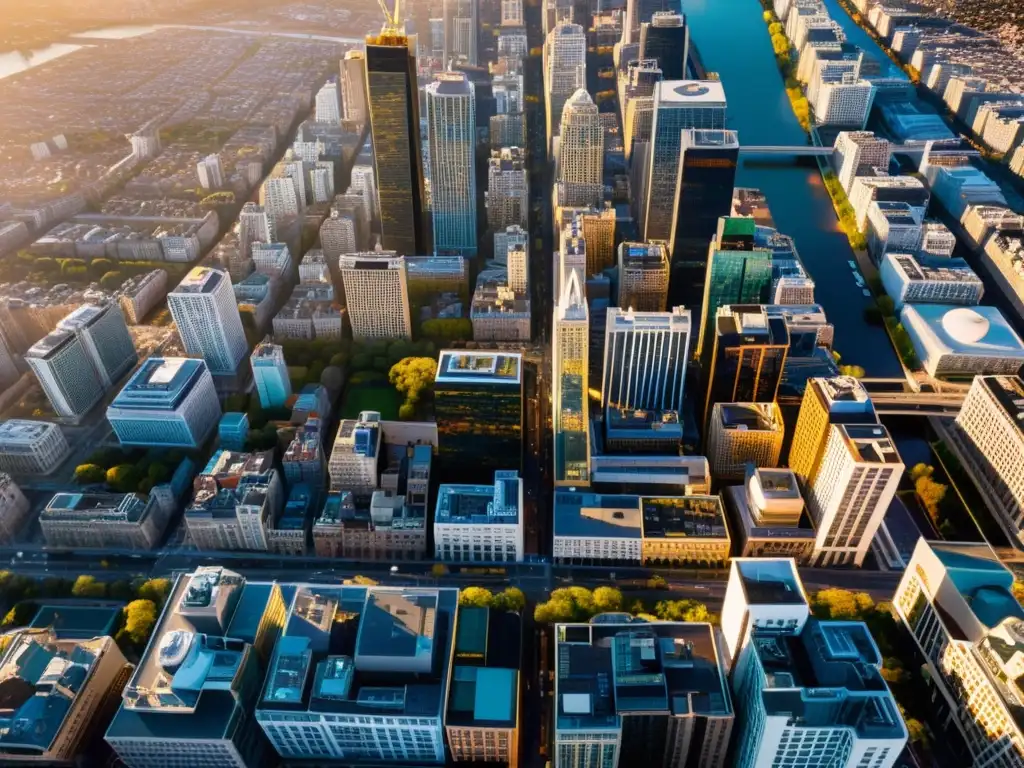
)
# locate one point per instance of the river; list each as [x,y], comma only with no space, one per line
[733,41]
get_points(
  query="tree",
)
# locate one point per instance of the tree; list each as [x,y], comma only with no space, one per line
[448,329]
[916,731]
[139,618]
[361,361]
[155,590]
[852,370]
[931,493]
[920,470]
[88,586]
[682,610]
[775,28]
[86,474]
[1017,589]
[123,478]
[19,615]
[893,671]
[886,305]
[158,473]
[780,45]
[476,597]
[768,16]
[363,581]
[510,599]
[411,376]
[120,590]
[841,604]
[607,599]
[438,569]
[111,279]
[406,411]
[656,582]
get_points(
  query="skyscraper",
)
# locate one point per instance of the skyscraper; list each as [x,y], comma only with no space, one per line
[840,400]
[703,193]
[511,13]
[478,401]
[666,39]
[363,182]
[353,86]
[104,334]
[507,198]
[565,72]
[645,356]
[598,227]
[640,11]
[328,104]
[394,109]
[749,354]
[206,314]
[209,173]
[643,276]
[270,375]
[451,126]
[377,295]
[570,400]
[62,366]
[805,689]
[460,31]
[678,105]
[507,239]
[737,272]
[643,77]
[851,491]
[338,235]
[580,165]
[857,153]
[742,434]
[254,225]
[279,197]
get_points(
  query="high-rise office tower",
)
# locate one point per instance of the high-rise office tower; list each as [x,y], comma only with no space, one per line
[67,377]
[295,168]
[104,334]
[565,72]
[737,272]
[460,31]
[338,235]
[572,257]
[206,314]
[645,356]
[749,355]
[394,109]
[580,165]
[989,435]
[666,39]
[254,226]
[851,491]
[363,182]
[641,11]
[742,435]
[643,276]
[507,239]
[804,688]
[209,172]
[642,77]
[328,104]
[857,153]
[958,603]
[478,401]
[508,194]
[451,127]
[279,197]
[570,400]
[518,263]
[598,227]
[270,375]
[353,86]
[707,172]
[321,181]
[376,294]
[839,400]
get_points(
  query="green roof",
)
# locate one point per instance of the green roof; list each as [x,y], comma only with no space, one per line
[471,635]
[736,225]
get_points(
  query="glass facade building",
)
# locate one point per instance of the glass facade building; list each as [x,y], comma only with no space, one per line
[478,402]
[395,128]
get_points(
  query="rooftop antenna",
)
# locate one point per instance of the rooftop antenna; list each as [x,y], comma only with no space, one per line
[393,24]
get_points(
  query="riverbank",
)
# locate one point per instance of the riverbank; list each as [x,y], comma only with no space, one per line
[784,60]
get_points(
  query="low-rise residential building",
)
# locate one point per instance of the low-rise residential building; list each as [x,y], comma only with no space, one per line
[140,294]
[31,447]
[303,460]
[288,535]
[936,239]
[982,221]
[58,689]
[684,530]
[311,312]
[892,226]
[768,518]
[356,455]
[743,434]
[483,709]
[910,279]
[480,522]
[103,521]
[497,312]
[630,693]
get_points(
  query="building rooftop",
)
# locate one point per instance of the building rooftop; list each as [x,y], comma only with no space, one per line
[96,507]
[869,443]
[160,384]
[709,93]
[763,417]
[42,676]
[1008,391]
[605,670]
[75,622]
[980,330]
[457,367]
[496,504]
[594,515]
[20,431]
[933,268]
[827,676]
[683,517]
[201,280]
[770,581]
[485,677]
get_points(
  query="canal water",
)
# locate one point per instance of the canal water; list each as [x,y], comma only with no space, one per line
[733,41]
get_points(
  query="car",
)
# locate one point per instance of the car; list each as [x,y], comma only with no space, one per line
[853,264]
[867,292]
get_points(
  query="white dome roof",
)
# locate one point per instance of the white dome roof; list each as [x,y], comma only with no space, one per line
[965,325]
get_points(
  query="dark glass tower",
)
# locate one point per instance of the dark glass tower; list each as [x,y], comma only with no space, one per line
[704,194]
[749,354]
[395,127]
[667,39]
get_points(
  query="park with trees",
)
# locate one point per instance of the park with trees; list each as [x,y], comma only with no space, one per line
[130,470]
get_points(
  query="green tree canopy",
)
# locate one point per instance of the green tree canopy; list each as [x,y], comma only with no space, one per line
[607,599]
[841,604]
[139,618]
[412,376]
[123,478]
[510,599]
[89,473]
[155,590]
[476,597]
[682,610]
